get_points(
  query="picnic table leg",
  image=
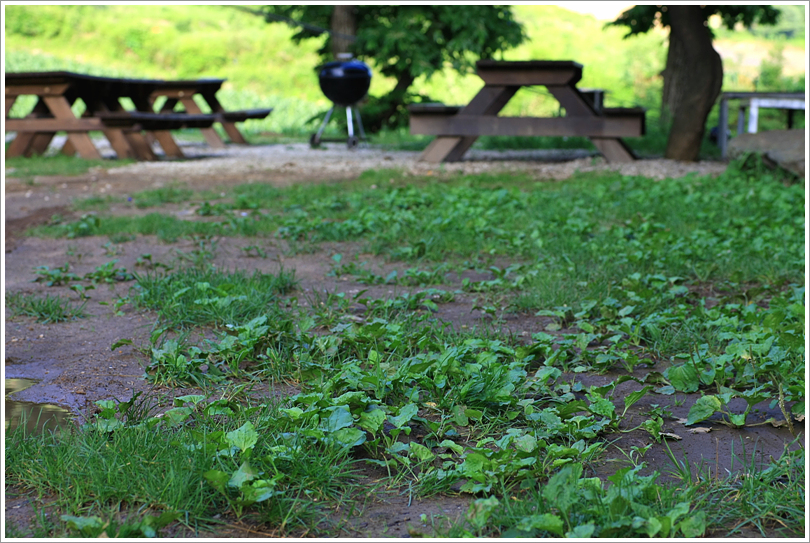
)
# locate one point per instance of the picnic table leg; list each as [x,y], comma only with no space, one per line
[60,108]
[20,144]
[140,146]
[210,134]
[10,99]
[722,130]
[230,128]
[31,143]
[489,101]
[613,149]
[447,148]
[163,137]
[115,136]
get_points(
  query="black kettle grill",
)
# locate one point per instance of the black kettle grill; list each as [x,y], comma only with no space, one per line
[344,82]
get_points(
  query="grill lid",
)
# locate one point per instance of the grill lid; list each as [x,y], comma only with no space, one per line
[345,82]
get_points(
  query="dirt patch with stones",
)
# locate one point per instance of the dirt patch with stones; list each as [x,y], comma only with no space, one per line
[75,367]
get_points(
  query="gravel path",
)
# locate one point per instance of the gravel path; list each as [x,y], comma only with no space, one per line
[299,161]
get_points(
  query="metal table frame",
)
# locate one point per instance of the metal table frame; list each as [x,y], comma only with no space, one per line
[753,101]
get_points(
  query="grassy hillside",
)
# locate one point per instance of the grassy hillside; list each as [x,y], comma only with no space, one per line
[264,68]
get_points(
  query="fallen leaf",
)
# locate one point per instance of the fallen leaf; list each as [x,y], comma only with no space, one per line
[672,436]
[777,423]
[699,430]
[681,421]
[799,418]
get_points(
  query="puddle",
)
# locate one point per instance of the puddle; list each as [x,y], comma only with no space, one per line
[37,416]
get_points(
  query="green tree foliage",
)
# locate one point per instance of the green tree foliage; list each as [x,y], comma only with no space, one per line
[789,26]
[408,41]
[640,19]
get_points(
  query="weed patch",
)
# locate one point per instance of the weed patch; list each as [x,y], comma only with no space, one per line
[45,309]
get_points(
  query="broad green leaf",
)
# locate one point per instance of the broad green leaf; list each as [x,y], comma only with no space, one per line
[259,491]
[452,445]
[218,479]
[474,464]
[737,420]
[684,378]
[108,425]
[602,406]
[480,510]
[107,405]
[459,417]
[340,417]
[694,525]
[653,526]
[680,509]
[422,453]
[633,397]
[618,506]
[294,413]
[193,399]
[667,390]
[406,413]
[755,395]
[349,437]
[582,531]
[82,523]
[245,473]
[568,409]
[177,415]
[243,438]
[654,426]
[372,420]
[561,488]
[526,443]
[704,408]
[547,521]
[212,410]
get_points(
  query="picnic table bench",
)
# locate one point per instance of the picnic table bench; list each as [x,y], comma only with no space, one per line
[58,91]
[457,127]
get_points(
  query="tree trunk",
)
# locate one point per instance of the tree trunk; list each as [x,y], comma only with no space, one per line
[344,23]
[389,110]
[693,78]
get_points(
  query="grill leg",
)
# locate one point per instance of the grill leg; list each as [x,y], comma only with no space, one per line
[316,139]
[360,124]
[349,121]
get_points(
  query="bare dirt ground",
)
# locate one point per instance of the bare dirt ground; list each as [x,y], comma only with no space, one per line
[75,366]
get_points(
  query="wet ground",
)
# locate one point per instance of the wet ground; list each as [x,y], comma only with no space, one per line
[37,417]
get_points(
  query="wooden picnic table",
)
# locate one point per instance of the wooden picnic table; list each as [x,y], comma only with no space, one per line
[102,96]
[458,127]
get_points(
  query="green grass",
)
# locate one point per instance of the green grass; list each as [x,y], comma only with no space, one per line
[45,309]
[155,465]
[161,196]
[701,274]
[572,505]
[584,235]
[28,168]
[194,297]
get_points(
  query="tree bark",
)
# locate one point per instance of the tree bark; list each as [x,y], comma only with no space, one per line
[693,78]
[344,23]
[391,105]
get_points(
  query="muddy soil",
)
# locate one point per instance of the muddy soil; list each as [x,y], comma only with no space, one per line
[75,366]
